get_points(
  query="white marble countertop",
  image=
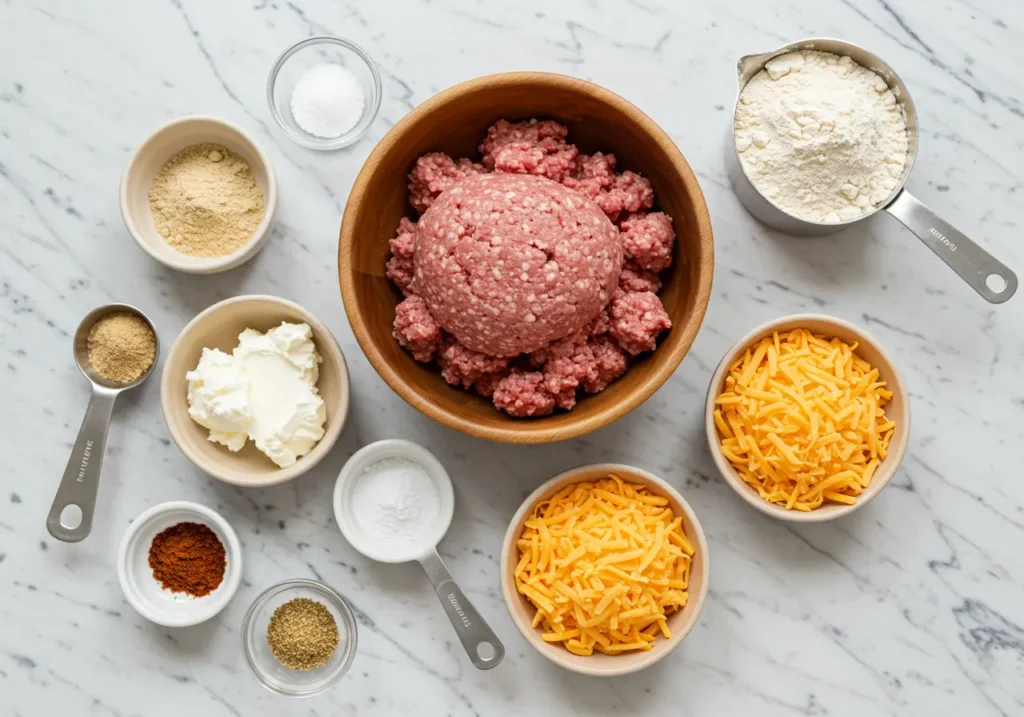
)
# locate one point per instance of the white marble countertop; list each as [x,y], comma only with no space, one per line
[915,605]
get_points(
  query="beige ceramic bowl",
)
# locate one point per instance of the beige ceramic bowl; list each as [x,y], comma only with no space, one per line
[680,623]
[898,409]
[151,156]
[218,328]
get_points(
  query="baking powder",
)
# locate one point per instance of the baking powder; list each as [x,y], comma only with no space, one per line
[395,502]
[328,100]
[821,136]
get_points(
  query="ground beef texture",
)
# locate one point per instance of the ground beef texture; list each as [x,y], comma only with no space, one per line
[532,276]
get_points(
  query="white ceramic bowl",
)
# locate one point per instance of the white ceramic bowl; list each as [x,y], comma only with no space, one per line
[151,156]
[898,409]
[143,591]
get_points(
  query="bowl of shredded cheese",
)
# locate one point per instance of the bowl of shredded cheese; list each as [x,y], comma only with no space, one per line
[807,418]
[604,569]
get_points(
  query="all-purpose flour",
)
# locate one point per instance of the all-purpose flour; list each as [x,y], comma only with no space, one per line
[821,136]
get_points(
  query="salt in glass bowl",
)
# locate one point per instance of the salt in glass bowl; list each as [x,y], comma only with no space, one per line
[294,62]
[271,673]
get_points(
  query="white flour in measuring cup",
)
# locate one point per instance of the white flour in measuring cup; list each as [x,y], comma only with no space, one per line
[395,504]
[820,136]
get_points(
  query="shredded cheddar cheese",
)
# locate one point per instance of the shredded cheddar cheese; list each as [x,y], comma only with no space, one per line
[605,563]
[802,420]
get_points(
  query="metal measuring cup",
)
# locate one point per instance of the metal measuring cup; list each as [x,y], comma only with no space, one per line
[78,487]
[482,645]
[988,276]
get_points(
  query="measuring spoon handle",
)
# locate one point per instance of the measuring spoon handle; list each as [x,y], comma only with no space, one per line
[82,475]
[482,645]
[960,252]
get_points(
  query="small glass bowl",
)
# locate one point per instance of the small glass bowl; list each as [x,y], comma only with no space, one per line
[303,55]
[275,676]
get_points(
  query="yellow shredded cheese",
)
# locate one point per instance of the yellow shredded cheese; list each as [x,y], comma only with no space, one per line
[605,563]
[802,420]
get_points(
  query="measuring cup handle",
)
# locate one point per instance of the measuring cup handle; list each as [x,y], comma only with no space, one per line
[82,475]
[482,645]
[961,254]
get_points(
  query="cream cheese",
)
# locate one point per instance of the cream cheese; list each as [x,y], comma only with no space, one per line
[218,398]
[265,391]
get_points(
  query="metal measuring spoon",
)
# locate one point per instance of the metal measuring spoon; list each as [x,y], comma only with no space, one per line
[70,517]
[482,646]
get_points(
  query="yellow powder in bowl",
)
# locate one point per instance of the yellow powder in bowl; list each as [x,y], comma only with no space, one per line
[121,347]
[206,202]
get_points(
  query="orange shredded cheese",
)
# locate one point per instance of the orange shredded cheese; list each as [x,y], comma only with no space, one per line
[802,420]
[605,563]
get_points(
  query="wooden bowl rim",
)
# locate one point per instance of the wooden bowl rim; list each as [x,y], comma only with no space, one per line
[632,662]
[531,430]
[886,469]
[329,345]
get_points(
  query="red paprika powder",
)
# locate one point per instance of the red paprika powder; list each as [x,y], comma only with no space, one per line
[188,558]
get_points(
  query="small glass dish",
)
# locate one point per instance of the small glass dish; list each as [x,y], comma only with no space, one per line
[275,676]
[300,57]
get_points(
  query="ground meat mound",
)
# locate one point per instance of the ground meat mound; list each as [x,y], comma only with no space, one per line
[522,394]
[464,367]
[488,383]
[610,362]
[532,147]
[567,364]
[508,263]
[636,278]
[629,193]
[400,268]
[416,330]
[637,319]
[592,174]
[601,324]
[433,174]
[647,239]
[531,276]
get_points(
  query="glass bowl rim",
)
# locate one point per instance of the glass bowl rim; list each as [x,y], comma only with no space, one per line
[305,139]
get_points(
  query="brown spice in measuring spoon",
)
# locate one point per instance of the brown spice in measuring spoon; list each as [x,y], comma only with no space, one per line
[121,347]
[188,558]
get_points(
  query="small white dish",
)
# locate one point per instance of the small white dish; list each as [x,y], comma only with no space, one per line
[143,591]
[482,646]
[151,156]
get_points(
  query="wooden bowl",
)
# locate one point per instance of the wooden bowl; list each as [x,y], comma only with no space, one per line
[218,327]
[455,121]
[680,623]
[898,410]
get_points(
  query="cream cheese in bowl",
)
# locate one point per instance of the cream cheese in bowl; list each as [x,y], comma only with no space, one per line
[265,390]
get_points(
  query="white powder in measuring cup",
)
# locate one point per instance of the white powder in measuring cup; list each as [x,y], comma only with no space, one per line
[820,136]
[395,502]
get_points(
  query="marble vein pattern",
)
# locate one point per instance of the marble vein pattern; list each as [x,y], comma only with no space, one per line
[913,606]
